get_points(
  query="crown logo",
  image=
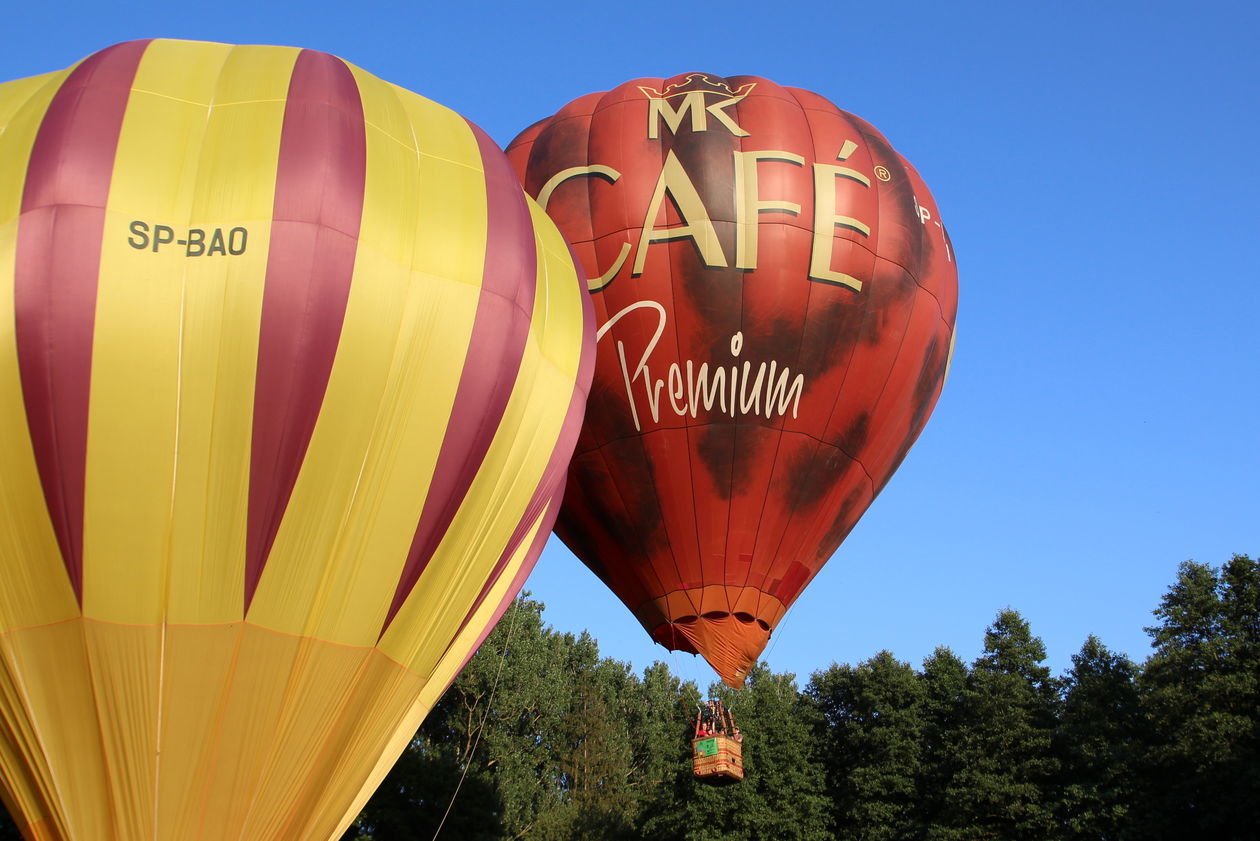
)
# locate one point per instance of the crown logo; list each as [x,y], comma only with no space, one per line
[698,82]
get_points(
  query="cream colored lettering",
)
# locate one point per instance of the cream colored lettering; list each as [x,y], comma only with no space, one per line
[826,220]
[698,227]
[544,195]
[749,205]
[718,110]
[693,103]
[593,284]
[659,108]
[743,388]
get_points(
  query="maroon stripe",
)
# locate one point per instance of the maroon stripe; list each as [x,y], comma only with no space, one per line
[491,364]
[318,208]
[535,551]
[550,492]
[551,486]
[56,272]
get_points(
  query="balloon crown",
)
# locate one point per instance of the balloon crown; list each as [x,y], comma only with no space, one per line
[698,81]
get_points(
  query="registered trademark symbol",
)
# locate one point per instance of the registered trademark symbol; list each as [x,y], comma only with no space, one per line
[882,173]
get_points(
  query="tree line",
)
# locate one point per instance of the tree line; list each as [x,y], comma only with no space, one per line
[554,743]
[541,738]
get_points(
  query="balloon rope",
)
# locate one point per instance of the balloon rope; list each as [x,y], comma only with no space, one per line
[774,640]
[481,728]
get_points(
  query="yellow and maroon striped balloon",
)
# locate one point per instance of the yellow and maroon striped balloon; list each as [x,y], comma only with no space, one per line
[290,373]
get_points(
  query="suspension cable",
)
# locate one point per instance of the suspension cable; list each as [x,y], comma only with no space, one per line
[481,728]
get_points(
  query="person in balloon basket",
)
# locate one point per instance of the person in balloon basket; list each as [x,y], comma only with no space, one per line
[713,720]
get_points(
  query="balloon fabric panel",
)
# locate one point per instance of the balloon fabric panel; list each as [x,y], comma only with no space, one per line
[54,334]
[314,235]
[775,295]
[248,290]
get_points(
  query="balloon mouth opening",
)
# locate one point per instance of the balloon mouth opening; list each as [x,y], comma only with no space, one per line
[729,641]
[679,634]
[727,626]
[749,619]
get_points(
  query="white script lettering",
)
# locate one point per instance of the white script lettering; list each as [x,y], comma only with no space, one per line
[736,389]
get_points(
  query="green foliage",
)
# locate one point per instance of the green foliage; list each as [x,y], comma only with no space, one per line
[1002,764]
[555,743]
[1100,729]
[944,678]
[1200,769]
[871,723]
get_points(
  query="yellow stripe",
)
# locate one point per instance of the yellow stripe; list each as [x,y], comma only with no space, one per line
[509,474]
[461,647]
[340,549]
[235,188]
[175,341]
[34,587]
[445,672]
[22,106]
[562,299]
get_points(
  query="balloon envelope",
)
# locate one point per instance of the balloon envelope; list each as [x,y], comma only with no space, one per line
[775,293]
[290,373]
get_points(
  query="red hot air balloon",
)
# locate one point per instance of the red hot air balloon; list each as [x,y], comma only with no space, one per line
[776,296]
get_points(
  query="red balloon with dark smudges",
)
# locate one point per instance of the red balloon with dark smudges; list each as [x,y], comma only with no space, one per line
[776,294]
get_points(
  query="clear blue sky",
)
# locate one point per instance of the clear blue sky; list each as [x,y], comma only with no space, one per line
[1096,166]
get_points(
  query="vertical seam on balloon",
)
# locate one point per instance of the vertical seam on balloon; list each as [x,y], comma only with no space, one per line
[589,184]
[336,728]
[321,593]
[164,607]
[318,209]
[910,316]
[871,483]
[876,259]
[912,433]
[199,161]
[412,244]
[625,200]
[743,302]
[100,723]
[649,561]
[326,82]
[809,298]
[212,759]
[85,114]
[221,702]
[508,280]
[157,728]
[783,421]
[665,149]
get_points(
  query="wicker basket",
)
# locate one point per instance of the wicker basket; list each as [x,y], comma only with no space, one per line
[717,759]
